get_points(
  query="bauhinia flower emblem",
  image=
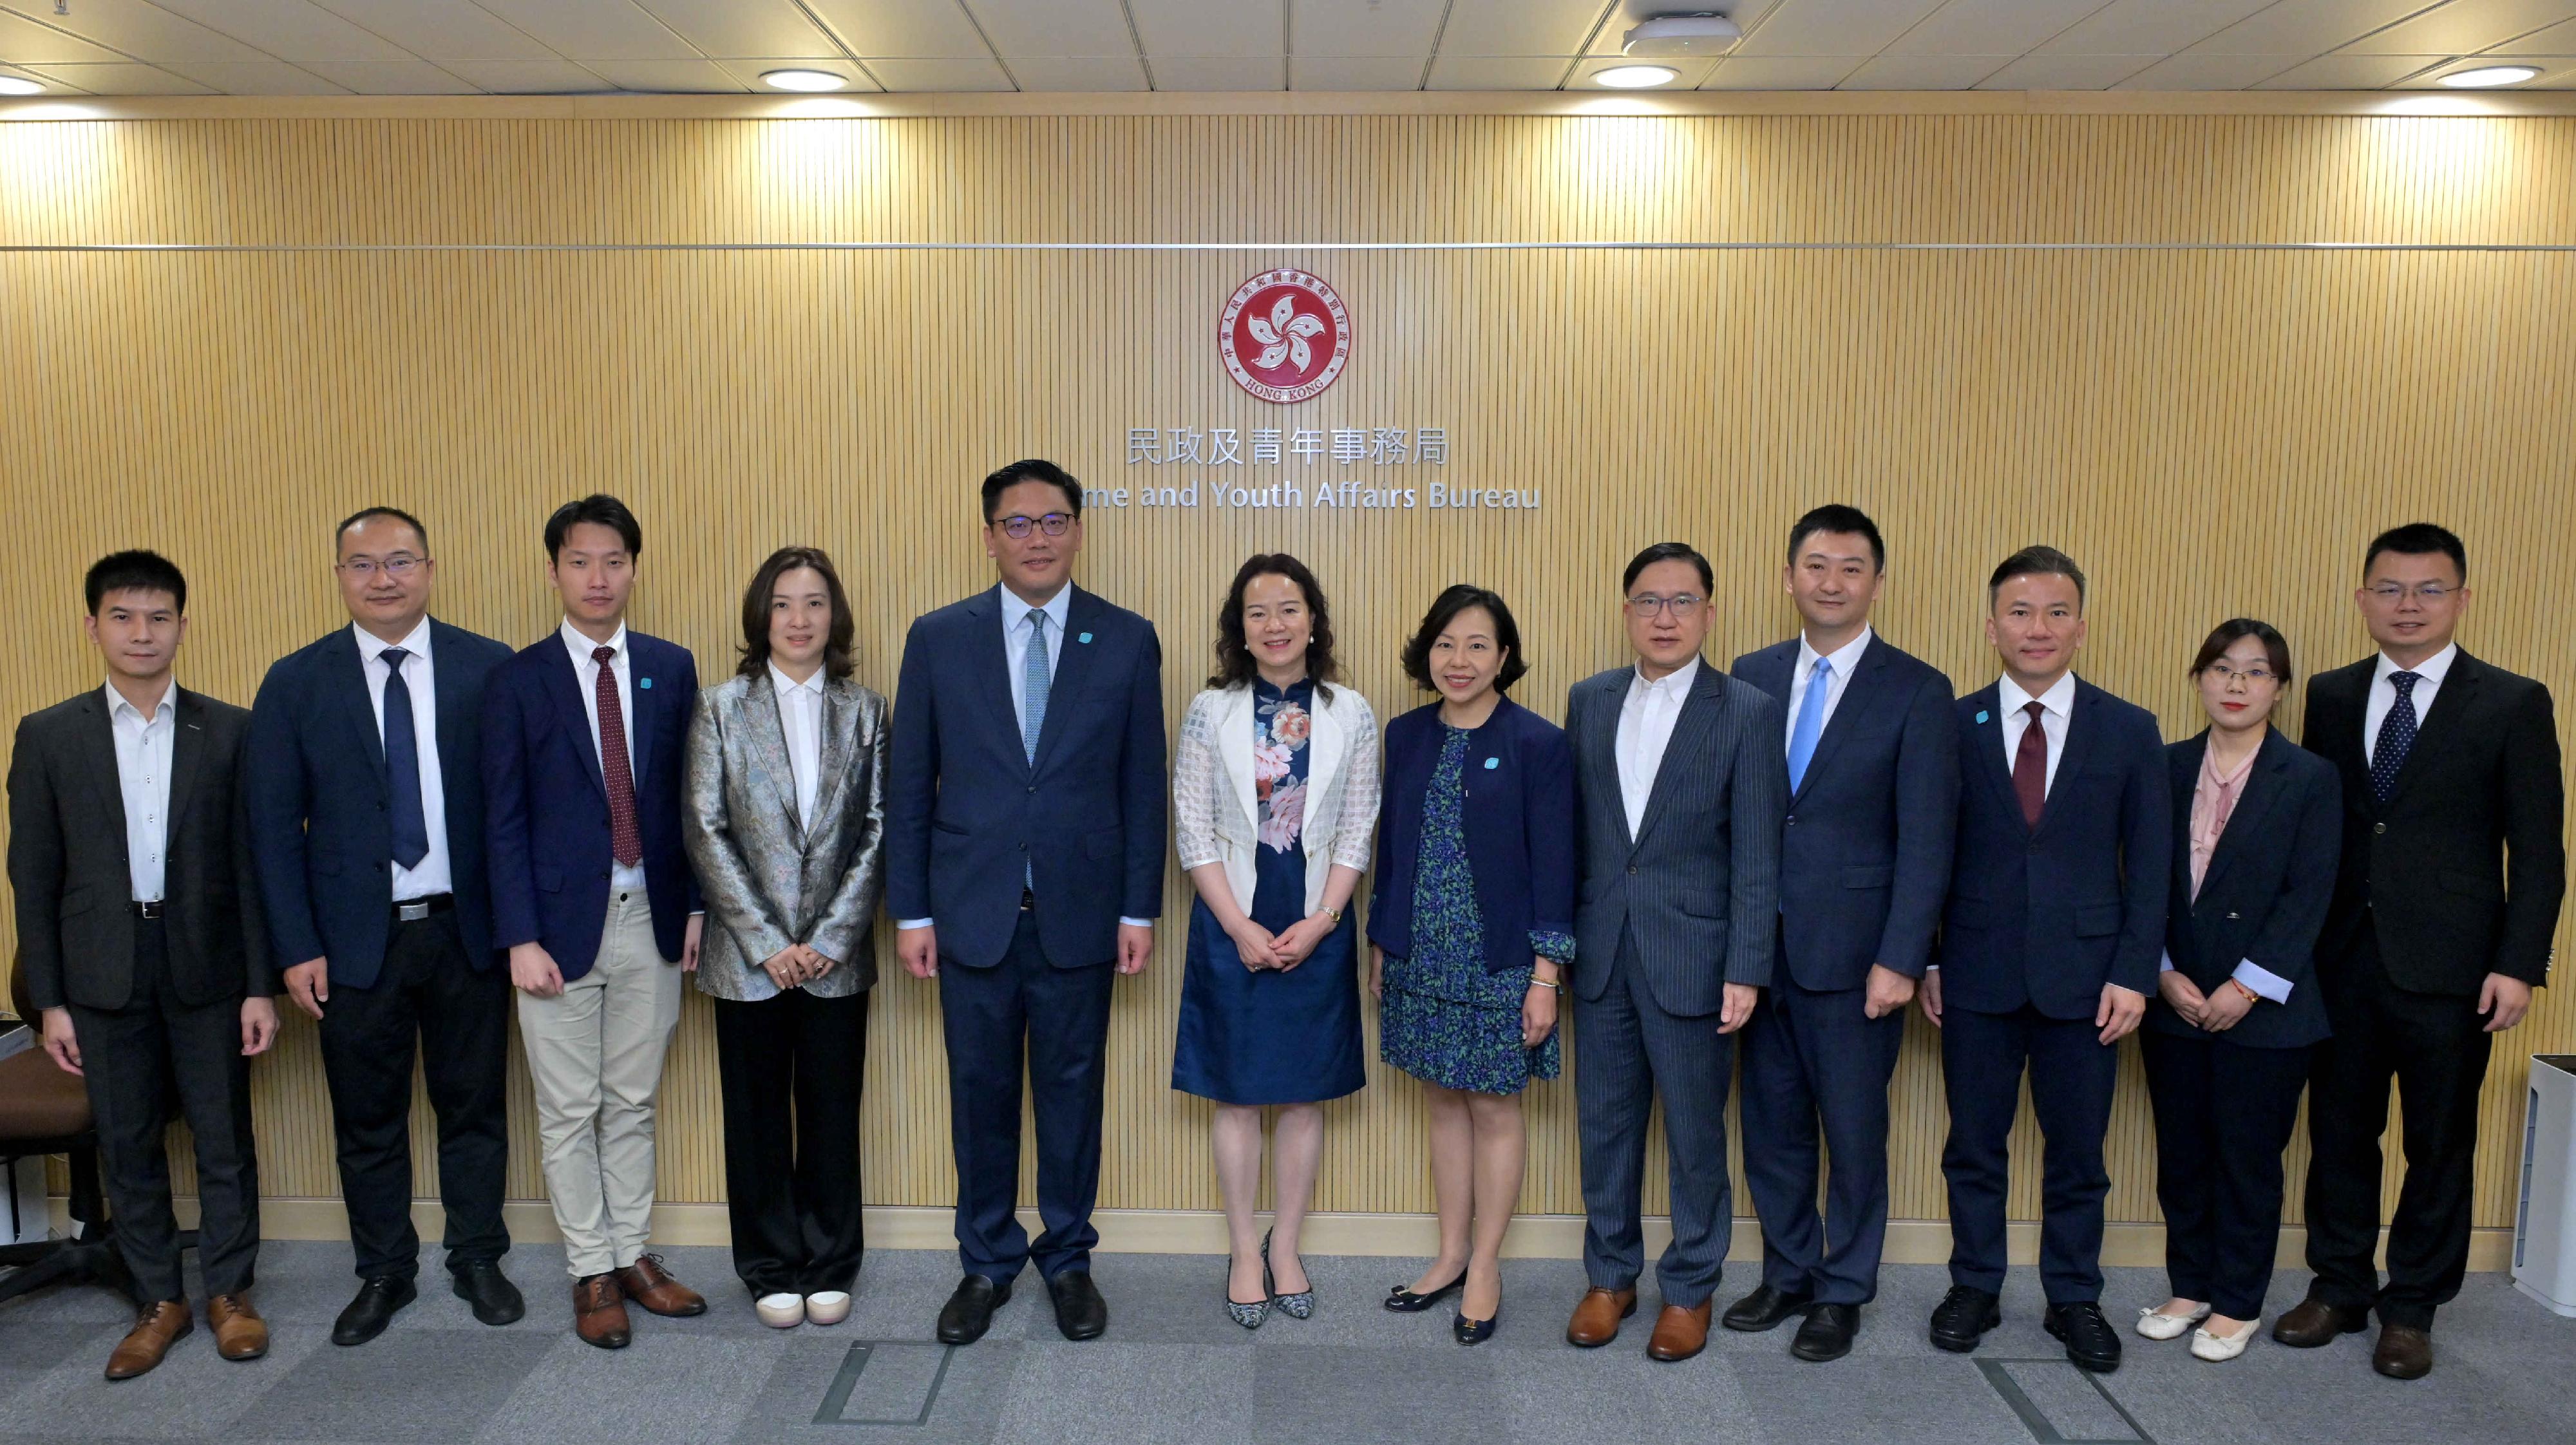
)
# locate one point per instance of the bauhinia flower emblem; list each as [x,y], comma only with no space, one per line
[1283,333]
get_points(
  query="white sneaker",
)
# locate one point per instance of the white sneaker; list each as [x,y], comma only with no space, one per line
[780,1311]
[2156,1326]
[829,1307]
[2217,1349]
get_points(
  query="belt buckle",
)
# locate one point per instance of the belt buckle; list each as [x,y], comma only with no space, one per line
[148,910]
[412,912]
[1028,901]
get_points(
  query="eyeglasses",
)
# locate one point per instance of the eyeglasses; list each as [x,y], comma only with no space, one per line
[1053,524]
[1681,605]
[2389,594]
[2249,676]
[400,564]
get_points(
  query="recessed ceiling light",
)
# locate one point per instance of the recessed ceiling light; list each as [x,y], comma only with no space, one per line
[2491,75]
[19,85]
[803,80]
[1635,77]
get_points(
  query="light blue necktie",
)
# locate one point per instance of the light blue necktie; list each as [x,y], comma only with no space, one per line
[1036,676]
[1811,722]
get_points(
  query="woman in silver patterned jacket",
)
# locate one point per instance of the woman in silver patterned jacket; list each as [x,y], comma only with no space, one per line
[785,825]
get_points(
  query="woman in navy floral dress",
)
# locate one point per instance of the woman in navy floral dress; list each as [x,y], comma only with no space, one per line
[1470,928]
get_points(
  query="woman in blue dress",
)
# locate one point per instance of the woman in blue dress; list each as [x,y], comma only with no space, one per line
[1471,926]
[1275,794]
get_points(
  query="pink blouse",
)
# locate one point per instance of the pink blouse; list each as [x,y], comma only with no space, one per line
[2213,799]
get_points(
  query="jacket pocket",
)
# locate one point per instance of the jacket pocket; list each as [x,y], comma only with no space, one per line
[1868,875]
[943,826]
[2474,885]
[2097,919]
[1104,843]
[549,880]
[1702,905]
[77,901]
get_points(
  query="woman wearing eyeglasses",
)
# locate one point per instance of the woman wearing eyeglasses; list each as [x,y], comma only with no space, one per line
[2257,829]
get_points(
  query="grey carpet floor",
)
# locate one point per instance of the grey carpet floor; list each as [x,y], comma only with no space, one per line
[1173,1368]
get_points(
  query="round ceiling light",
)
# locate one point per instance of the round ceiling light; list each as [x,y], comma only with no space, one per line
[2489,75]
[19,85]
[1636,77]
[803,80]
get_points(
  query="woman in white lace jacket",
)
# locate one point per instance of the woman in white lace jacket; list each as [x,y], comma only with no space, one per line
[1275,797]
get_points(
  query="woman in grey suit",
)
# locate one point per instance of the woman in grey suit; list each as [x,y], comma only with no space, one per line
[785,826]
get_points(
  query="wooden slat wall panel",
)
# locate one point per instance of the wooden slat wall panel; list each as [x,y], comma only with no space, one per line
[2210,431]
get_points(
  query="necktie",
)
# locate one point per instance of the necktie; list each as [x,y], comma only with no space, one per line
[624,841]
[402,764]
[2030,766]
[2396,736]
[1811,722]
[1036,674]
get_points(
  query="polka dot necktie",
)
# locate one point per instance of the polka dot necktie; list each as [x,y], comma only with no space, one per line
[2396,736]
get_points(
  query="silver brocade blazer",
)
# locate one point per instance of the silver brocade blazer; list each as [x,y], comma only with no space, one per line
[769,880]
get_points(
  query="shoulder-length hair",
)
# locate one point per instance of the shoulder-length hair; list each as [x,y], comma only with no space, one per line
[1444,610]
[755,611]
[2276,648]
[1234,664]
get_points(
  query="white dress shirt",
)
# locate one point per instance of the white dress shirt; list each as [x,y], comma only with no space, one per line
[2059,705]
[143,750]
[1646,718]
[2383,695]
[1843,660]
[622,877]
[800,716]
[433,875]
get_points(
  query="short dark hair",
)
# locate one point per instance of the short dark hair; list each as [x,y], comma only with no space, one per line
[599,509]
[2276,648]
[135,571]
[1032,469]
[1234,665]
[2417,539]
[2036,562]
[755,611]
[1444,610]
[1668,552]
[1835,517]
[369,514]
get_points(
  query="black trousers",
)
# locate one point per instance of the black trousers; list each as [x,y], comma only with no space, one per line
[2224,1113]
[430,1004]
[136,1060]
[2071,1079]
[792,1067]
[2435,1046]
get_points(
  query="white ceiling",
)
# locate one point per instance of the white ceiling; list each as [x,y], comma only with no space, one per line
[520,47]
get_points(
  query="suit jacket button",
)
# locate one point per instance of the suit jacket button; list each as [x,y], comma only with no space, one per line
[1793,820]
[1033,787]
[2232,915]
[2378,828]
[1632,868]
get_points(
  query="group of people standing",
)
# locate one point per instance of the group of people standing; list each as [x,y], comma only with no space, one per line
[414,832]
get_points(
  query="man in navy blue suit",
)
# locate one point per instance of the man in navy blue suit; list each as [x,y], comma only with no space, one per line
[583,737]
[1864,863]
[2049,944]
[364,781]
[1024,844]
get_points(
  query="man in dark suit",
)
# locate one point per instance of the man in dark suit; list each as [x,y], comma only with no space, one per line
[140,940]
[2049,944]
[583,739]
[1864,862]
[1024,843]
[365,785]
[1680,792]
[2454,868]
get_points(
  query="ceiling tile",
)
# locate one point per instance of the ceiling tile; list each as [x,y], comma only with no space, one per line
[391,77]
[1611,38]
[935,75]
[2465,27]
[594,29]
[1781,72]
[2350,71]
[2556,40]
[1690,72]
[530,77]
[1219,72]
[1991,27]
[138,29]
[1835,27]
[255,77]
[2557,72]
[668,77]
[2149,27]
[2305,28]
[1495,72]
[1078,72]
[749,71]
[1521,27]
[289,29]
[440,29]
[122,78]
[1356,72]
[1364,27]
[2210,70]
[743,27]
[1924,72]
[24,42]
[1055,27]
[1199,27]
[903,27]
[2067,72]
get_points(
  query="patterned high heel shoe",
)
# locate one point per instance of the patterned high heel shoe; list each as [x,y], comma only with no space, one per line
[1298,1306]
[1250,1315]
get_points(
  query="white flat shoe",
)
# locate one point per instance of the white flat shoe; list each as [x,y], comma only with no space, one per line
[2156,1326]
[830,1307]
[2218,1349]
[780,1311]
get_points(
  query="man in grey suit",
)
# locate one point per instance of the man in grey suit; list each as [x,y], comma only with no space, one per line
[1682,787]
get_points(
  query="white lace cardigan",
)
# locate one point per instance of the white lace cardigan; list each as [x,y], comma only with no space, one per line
[1213,809]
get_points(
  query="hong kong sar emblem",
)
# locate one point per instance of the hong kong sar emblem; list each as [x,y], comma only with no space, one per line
[1284,335]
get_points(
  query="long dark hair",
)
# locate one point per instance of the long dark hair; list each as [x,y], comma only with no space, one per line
[755,611]
[1234,664]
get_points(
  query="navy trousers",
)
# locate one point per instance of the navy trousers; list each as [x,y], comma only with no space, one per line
[2224,1113]
[1816,1069]
[2071,1077]
[1055,1021]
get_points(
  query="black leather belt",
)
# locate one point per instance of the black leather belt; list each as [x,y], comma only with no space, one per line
[413,910]
[146,910]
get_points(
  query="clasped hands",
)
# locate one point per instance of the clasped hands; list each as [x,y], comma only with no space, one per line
[1260,949]
[795,966]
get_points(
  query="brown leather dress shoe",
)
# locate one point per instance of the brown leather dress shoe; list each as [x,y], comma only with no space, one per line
[649,1285]
[1597,1316]
[599,1312]
[2313,1322]
[1679,1333]
[240,1334]
[2404,1352]
[155,1330]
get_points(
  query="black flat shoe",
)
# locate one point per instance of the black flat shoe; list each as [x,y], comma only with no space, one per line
[969,1311]
[1965,1313]
[1765,1309]
[377,1302]
[1404,1301]
[481,1284]
[1080,1312]
[1298,1306]
[1473,1332]
[2091,1343]
[1827,1333]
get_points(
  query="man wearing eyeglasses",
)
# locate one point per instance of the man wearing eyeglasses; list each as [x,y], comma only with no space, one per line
[365,787]
[1681,791]
[1024,851]
[2453,873]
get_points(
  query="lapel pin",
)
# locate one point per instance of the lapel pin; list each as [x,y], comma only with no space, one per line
[643,682]
[1981,717]
[1086,637]
[1491,763]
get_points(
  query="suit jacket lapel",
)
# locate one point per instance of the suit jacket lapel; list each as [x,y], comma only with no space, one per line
[187,752]
[1324,744]
[456,721]
[2459,688]
[2081,725]
[98,756]
[347,674]
[1073,666]
[990,661]
[1691,730]
[1859,690]
[640,710]
[2262,793]
[1234,752]
[1600,752]
[563,691]
[767,735]
[840,721]
[1989,748]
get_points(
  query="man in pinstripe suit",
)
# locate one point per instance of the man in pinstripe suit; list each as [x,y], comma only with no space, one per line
[1682,789]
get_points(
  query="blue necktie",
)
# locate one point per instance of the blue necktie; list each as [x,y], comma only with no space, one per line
[1811,722]
[402,764]
[2396,736]
[1036,675]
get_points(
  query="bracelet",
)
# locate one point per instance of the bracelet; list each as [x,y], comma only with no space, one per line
[1337,913]
[2250,995]
[1538,982]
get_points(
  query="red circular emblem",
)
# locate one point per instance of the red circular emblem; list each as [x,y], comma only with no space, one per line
[1284,335]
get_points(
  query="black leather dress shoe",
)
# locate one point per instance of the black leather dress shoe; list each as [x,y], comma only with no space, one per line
[1080,1312]
[2091,1343]
[1764,1309]
[1965,1313]
[481,1284]
[373,1309]
[1473,1332]
[1827,1334]
[969,1311]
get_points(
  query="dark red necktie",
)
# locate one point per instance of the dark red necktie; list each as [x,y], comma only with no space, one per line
[2030,766]
[623,839]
